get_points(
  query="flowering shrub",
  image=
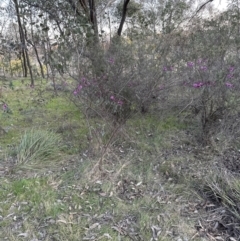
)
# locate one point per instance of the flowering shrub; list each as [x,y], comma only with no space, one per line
[105,97]
[211,85]
[186,72]
[123,88]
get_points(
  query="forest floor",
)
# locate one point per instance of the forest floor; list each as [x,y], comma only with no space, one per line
[153,181]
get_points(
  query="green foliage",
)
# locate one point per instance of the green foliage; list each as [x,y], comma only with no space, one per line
[37,145]
[138,89]
[132,9]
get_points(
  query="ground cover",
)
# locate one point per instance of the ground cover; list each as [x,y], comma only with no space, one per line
[155,182]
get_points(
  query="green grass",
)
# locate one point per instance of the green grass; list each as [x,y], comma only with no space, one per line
[37,145]
[143,184]
[36,108]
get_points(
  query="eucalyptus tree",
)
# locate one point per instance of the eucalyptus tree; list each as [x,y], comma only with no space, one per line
[23,48]
[74,25]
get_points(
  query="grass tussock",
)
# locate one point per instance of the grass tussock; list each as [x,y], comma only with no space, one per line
[224,189]
[37,145]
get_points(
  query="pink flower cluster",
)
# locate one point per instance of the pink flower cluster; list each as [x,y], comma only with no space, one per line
[190,64]
[161,87]
[5,107]
[230,72]
[198,84]
[118,101]
[77,90]
[82,83]
[200,62]
[111,60]
[229,85]
[168,68]
[203,67]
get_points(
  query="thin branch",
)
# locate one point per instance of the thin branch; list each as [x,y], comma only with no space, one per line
[204,5]
[84,5]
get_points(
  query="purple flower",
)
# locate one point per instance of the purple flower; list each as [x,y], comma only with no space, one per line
[231,69]
[168,68]
[77,90]
[5,107]
[161,87]
[120,102]
[230,76]
[204,68]
[198,85]
[83,82]
[229,85]
[111,60]
[112,97]
[190,64]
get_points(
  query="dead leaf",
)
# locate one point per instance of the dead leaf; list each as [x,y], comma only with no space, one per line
[107,235]
[156,231]
[95,225]
[103,194]
[24,235]
[61,221]
[138,184]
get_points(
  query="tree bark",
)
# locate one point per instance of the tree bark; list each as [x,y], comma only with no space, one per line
[93,18]
[27,56]
[22,40]
[26,60]
[124,14]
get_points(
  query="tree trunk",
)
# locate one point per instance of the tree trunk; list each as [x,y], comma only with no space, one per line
[124,15]
[26,60]
[27,57]
[93,18]
[22,40]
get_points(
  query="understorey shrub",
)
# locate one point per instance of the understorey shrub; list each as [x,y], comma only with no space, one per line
[191,71]
[212,87]
[206,77]
[130,82]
